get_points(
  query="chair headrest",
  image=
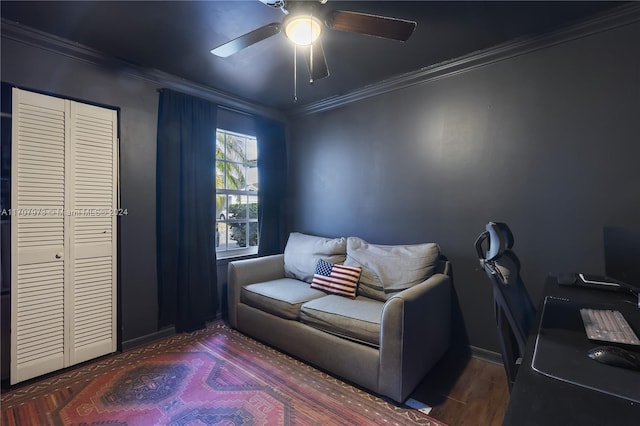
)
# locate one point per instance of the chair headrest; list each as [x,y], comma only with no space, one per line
[500,239]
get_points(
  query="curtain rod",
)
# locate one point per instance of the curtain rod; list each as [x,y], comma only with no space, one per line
[237,111]
[225,107]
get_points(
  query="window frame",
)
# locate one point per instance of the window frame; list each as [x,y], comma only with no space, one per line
[248,195]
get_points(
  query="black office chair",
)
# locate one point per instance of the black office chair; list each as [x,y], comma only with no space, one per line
[514,310]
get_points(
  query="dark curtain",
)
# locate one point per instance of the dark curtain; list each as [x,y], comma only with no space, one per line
[272,175]
[185,219]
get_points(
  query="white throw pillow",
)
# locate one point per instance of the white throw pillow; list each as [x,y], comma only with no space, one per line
[388,269]
[302,252]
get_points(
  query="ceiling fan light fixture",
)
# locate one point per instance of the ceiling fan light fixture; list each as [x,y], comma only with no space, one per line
[303,30]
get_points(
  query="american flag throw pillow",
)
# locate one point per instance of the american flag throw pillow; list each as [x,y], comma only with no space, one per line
[336,279]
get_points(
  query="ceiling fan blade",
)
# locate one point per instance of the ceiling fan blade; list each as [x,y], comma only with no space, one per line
[246,40]
[316,52]
[373,25]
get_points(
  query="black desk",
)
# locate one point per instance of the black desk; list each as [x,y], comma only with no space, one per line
[540,400]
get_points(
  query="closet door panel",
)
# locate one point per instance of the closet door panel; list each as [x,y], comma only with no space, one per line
[63,233]
[38,235]
[92,245]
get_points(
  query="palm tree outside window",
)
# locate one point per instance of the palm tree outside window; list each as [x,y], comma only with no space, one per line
[236,194]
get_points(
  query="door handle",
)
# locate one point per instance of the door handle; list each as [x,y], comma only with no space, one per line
[59,255]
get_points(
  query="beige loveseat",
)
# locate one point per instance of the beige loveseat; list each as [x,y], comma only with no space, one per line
[385,339]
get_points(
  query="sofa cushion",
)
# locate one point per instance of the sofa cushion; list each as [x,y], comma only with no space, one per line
[387,269]
[303,251]
[282,297]
[336,279]
[356,319]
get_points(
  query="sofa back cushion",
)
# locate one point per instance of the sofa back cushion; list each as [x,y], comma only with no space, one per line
[302,252]
[387,269]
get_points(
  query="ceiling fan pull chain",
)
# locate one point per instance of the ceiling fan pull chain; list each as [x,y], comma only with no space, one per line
[311,64]
[295,73]
[310,52]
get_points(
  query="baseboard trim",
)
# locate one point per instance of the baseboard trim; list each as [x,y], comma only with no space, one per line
[486,355]
[147,338]
[160,334]
[476,352]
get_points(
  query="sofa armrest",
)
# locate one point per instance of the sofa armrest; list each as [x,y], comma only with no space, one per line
[415,332]
[249,271]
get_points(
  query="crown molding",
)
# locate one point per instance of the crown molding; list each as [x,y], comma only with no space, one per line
[619,17]
[63,47]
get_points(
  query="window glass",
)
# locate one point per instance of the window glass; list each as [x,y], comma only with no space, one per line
[236,194]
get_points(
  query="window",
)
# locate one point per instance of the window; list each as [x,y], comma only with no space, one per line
[236,194]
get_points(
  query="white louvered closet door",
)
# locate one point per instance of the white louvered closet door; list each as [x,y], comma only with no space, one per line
[92,257]
[37,239]
[64,192]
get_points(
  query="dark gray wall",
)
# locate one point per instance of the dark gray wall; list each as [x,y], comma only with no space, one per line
[547,141]
[39,69]
[99,79]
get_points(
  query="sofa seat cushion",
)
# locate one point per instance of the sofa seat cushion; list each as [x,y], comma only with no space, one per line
[282,297]
[356,319]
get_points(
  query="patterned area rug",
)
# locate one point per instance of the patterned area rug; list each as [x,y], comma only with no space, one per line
[215,376]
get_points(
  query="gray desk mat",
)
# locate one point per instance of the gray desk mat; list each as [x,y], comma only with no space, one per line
[562,346]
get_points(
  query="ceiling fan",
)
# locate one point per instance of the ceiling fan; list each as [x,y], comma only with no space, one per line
[304,23]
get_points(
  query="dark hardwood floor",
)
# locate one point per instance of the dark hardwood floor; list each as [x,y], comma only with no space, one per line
[465,391]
